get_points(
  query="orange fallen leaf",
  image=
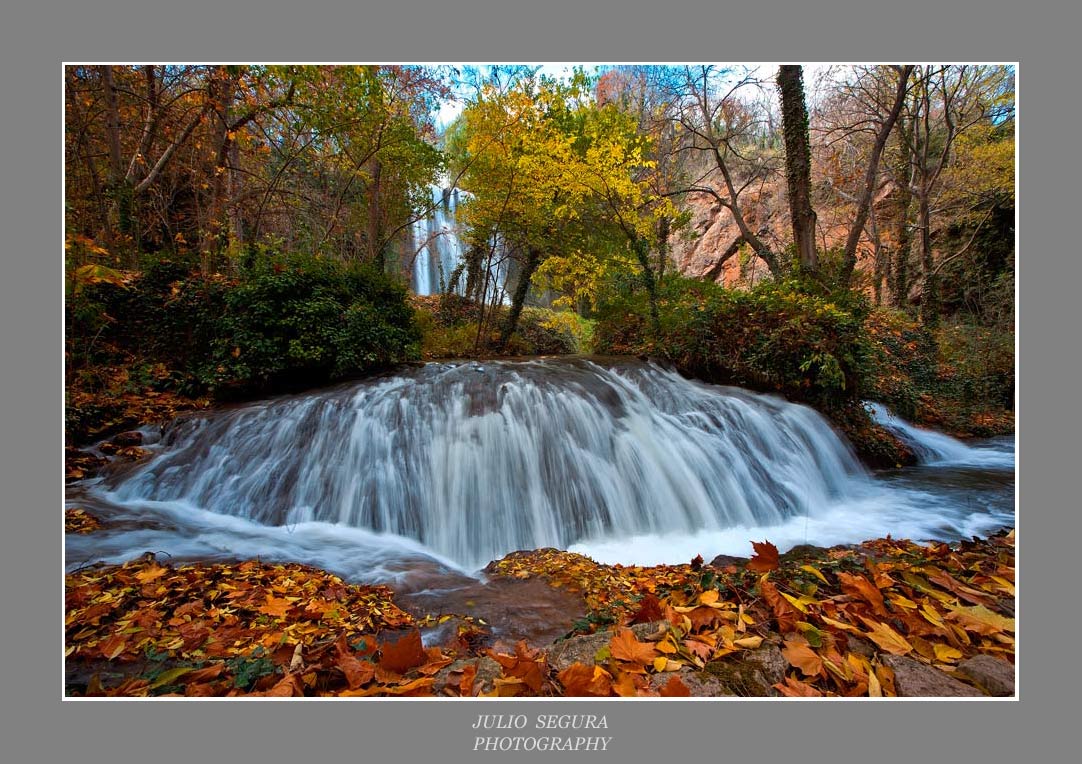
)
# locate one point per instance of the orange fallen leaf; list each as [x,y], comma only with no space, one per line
[785,614]
[765,558]
[675,688]
[579,679]
[408,652]
[799,654]
[862,588]
[276,606]
[625,647]
[794,688]
[465,685]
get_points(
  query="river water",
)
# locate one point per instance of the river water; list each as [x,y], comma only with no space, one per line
[427,474]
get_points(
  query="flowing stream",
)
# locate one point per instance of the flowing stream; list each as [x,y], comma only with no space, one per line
[434,471]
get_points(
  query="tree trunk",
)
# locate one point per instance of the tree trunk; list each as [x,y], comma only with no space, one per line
[518,299]
[642,252]
[899,282]
[929,296]
[375,250]
[849,260]
[664,227]
[798,164]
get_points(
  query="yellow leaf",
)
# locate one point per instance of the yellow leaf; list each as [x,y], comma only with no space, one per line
[795,602]
[151,573]
[1006,585]
[659,663]
[709,597]
[900,601]
[840,625]
[931,615]
[748,643]
[665,647]
[981,620]
[875,690]
[887,638]
[947,654]
[815,572]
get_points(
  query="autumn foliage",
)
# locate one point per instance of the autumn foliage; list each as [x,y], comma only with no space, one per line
[149,628]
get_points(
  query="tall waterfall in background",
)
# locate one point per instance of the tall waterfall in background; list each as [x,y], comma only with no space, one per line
[439,248]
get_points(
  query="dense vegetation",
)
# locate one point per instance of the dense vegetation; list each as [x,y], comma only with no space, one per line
[236,230]
[280,323]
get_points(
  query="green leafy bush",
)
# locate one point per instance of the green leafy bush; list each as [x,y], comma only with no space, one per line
[290,323]
[776,336]
[284,322]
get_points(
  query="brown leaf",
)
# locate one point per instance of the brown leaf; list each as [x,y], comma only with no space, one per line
[697,562]
[357,672]
[799,654]
[785,614]
[675,688]
[289,687]
[649,610]
[579,680]
[625,647]
[465,685]
[408,652]
[526,664]
[765,558]
[794,688]
[861,588]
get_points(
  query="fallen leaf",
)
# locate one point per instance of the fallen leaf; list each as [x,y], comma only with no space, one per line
[625,647]
[765,558]
[794,688]
[579,680]
[862,588]
[887,638]
[947,654]
[649,610]
[748,643]
[675,688]
[408,652]
[276,606]
[800,655]
[981,620]
[784,613]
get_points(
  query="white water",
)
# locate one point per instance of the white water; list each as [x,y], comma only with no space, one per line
[453,465]
[439,249]
[933,447]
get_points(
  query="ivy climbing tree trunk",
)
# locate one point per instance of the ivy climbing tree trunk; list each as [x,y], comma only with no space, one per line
[518,298]
[798,164]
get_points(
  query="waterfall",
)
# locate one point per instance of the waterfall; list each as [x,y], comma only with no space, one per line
[439,248]
[452,465]
[476,461]
[933,447]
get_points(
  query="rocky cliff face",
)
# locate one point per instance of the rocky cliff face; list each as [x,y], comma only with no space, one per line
[709,247]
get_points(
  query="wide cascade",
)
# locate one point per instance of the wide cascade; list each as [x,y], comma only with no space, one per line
[474,460]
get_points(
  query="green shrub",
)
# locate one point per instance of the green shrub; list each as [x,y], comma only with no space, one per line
[775,337]
[295,322]
[285,321]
